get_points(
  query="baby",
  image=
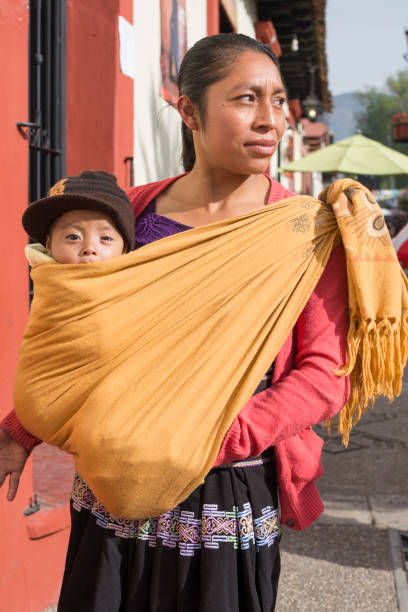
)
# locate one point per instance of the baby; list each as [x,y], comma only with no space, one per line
[83,219]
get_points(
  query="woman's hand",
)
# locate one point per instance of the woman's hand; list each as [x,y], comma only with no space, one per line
[12,461]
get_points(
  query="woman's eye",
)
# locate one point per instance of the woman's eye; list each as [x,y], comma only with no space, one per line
[247,97]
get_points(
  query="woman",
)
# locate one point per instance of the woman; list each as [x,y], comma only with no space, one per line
[219,549]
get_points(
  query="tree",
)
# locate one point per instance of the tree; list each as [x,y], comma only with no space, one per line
[378,108]
[398,87]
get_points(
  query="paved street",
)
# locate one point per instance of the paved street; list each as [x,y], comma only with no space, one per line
[352,558]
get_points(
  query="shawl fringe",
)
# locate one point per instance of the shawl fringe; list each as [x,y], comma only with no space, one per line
[378,351]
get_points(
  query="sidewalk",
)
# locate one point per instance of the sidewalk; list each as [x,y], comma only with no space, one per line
[351,559]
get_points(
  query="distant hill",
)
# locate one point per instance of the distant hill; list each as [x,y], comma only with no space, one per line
[341,120]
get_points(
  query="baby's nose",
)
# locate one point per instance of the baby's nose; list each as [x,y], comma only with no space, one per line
[89,249]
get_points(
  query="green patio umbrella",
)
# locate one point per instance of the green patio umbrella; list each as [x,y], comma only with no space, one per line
[354,155]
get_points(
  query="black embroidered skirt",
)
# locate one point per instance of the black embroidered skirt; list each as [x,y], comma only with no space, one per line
[216,552]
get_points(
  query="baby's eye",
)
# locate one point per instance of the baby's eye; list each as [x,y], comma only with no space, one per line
[72,237]
[107,238]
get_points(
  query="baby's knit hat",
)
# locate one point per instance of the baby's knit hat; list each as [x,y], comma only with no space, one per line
[89,190]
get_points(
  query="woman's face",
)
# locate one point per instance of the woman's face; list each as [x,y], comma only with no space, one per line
[244,117]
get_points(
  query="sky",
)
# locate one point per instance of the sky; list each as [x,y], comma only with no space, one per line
[365,42]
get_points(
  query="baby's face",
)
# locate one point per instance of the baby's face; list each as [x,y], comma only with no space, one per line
[84,236]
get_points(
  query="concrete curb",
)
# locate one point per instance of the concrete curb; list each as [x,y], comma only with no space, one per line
[382,511]
[400,576]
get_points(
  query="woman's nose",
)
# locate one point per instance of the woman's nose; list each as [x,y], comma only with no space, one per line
[266,115]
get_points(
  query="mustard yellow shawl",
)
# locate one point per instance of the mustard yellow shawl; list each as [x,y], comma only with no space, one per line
[138,365]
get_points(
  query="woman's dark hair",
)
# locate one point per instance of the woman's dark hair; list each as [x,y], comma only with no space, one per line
[210,60]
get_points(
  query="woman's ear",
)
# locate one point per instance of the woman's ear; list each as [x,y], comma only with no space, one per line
[188,112]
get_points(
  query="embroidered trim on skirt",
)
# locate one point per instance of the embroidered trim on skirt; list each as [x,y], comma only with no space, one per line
[218,551]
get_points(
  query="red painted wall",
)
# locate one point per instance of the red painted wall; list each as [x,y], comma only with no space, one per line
[13,271]
[123,131]
[99,96]
[99,136]
[14,189]
[91,67]
[23,583]
[213,17]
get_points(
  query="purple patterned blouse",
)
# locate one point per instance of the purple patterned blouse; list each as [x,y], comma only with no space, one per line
[150,226]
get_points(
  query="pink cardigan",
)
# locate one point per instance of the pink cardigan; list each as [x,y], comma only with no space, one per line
[304,389]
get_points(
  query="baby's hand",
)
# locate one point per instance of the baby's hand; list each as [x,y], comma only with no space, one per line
[12,460]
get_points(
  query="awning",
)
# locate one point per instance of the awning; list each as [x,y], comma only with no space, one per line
[306,20]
